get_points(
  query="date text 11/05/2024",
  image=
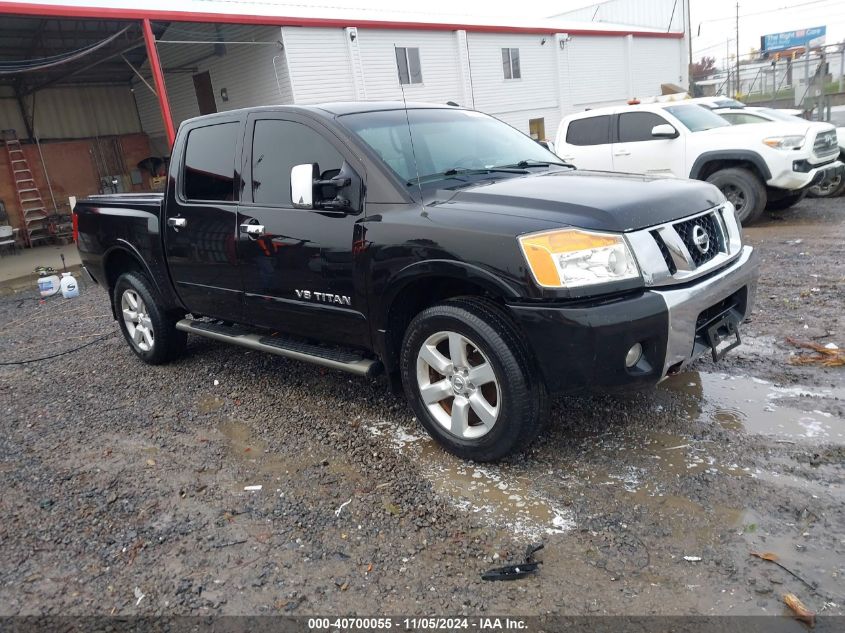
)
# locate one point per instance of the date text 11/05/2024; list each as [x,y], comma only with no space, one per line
[419,623]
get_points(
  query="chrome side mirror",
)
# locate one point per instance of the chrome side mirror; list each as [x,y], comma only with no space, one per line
[302,186]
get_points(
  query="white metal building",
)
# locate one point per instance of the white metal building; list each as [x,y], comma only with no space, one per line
[218,55]
[529,79]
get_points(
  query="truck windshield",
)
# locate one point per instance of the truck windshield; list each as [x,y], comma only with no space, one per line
[697,118]
[448,144]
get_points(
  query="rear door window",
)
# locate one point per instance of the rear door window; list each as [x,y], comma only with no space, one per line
[209,171]
[589,131]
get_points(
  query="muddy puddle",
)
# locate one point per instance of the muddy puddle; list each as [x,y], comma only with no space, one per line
[266,467]
[641,466]
[497,494]
[743,403]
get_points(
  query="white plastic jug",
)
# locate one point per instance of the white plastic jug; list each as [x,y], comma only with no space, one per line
[48,285]
[70,288]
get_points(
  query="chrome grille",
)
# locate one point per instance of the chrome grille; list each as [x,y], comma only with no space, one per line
[664,252]
[715,238]
[702,237]
[826,144]
[683,250]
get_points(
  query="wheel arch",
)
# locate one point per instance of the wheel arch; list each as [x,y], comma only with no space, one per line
[709,163]
[423,284]
[121,258]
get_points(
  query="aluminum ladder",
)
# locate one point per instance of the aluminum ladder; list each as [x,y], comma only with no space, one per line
[30,202]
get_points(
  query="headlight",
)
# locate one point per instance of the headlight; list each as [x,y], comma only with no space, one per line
[784,142]
[570,258]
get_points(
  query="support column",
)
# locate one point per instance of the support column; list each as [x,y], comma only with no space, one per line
[158,77]
[629,66]
[464,69]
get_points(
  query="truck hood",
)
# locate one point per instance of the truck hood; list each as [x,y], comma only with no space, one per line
[604,201]
[765,130]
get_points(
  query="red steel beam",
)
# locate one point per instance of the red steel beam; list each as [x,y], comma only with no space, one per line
[158,76]
[69,11]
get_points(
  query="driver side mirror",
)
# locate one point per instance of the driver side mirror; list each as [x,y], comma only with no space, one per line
[302,179]
[310,190]
[664,130]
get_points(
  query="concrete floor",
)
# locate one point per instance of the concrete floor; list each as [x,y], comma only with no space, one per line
[18,267]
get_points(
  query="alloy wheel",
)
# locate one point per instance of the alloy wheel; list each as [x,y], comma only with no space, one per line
[137,320]
[825,190]
[736,196]
[458,385]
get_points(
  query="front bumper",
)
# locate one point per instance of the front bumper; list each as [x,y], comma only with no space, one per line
[828,173]
[795,178]
[583,347]
[688,308]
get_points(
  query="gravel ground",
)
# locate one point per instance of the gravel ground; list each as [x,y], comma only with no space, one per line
[123,485]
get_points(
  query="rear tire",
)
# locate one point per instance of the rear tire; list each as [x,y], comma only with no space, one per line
[786,201]
[744,190]
[470,380]
[149,330]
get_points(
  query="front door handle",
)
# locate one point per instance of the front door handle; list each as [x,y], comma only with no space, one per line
[177,223]
[253,230]
[622,152]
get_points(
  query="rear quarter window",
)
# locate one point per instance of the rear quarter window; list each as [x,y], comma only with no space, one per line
[593,130]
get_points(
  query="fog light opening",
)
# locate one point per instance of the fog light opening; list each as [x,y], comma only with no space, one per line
[634,355]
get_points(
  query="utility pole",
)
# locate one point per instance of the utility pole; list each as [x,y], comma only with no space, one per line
[728,66]
[738,83]
[689,43]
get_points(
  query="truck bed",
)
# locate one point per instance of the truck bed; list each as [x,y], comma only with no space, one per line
[112,225]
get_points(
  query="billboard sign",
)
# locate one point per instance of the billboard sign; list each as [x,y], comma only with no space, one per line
[802,38]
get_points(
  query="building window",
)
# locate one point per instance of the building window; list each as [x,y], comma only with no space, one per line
[510,63]
[408,64]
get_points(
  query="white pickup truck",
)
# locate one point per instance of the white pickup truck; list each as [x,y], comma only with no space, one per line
[753,165]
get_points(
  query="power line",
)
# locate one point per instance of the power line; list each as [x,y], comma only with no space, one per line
[16,68]
[767,11]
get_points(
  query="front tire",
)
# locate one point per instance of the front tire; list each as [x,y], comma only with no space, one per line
[470,380]
[148,329]
[744,190]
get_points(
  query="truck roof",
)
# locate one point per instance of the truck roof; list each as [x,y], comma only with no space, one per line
[335,108]
[634,107]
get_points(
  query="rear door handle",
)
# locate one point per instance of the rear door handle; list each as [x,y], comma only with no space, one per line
[622,152]
[253,230]
[177,223]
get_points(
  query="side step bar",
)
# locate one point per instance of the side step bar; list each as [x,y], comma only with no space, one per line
[290,348]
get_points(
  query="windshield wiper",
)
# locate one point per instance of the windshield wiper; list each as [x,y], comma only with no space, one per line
[460,171]
[530,162]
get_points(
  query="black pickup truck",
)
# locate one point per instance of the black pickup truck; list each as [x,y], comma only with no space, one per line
[433,243]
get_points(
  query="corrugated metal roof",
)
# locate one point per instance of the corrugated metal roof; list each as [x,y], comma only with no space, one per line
[279,10]
[666,15]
